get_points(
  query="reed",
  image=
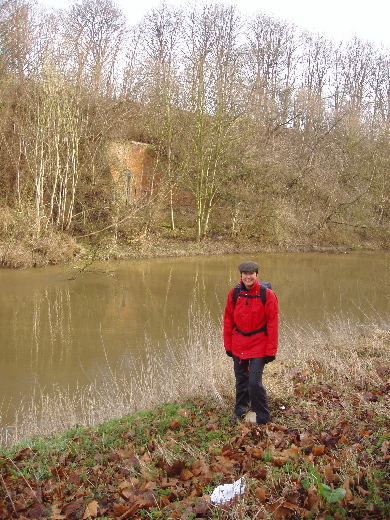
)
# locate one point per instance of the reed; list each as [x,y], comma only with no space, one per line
[342,354]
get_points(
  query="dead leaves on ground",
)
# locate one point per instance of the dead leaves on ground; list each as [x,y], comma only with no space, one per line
[284,467]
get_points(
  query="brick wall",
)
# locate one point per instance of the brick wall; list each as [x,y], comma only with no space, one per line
[133,167]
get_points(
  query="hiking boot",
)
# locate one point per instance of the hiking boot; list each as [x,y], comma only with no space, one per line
[262,423]
[263,419]
[236,418]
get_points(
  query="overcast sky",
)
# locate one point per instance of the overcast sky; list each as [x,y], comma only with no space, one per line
[336,19]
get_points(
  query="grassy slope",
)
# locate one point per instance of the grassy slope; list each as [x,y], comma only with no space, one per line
[165,464]
[325,455]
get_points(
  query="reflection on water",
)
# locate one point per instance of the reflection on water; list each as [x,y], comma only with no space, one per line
[62,329]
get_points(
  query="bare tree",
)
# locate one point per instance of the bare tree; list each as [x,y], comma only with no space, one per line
[50,130]
[161,93]
[212,82]
[25,36]
[380,88]
[16,37]
[94,32]
[316,67]
[271,69]
[352,69]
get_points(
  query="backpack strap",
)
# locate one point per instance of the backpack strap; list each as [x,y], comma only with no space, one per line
[236,292]
[262,295]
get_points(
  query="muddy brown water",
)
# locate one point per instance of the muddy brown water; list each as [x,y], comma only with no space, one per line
[60,327]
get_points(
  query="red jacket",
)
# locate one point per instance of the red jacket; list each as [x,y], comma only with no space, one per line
[249,315]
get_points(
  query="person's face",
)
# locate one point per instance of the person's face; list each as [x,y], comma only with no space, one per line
[248,279]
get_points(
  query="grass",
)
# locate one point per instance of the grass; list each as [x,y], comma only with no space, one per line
[155,444]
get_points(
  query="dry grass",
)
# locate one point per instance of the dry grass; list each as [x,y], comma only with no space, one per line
[21,246]
[344,355]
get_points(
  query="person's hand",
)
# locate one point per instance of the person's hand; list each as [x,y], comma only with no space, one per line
[229,353]
[268,359]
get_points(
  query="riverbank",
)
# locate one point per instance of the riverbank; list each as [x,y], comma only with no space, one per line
[62,249]
[325,454]
[166,463]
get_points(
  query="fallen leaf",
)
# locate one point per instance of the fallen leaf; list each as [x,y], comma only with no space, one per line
[91,510]
[305,440]
[279,461]
[186,474]
[257,453]
[318,450]
[260,494]
[163,501]
[131,511]
[120,509]
[282,511]
[56,512]
[175,423]
[26,452]
[174,469]
[202,507]
[37,511]
[20,505]
[329,473]
[362,491]
[292,453]
[74,508]
[312,501]
[125,484]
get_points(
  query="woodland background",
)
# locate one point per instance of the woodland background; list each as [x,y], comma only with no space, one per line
[262,132]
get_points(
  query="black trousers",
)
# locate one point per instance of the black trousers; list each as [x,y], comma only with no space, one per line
[250,392]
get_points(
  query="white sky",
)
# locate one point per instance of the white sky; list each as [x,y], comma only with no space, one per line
[336,19]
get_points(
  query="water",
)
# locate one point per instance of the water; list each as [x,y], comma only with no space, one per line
[60,327]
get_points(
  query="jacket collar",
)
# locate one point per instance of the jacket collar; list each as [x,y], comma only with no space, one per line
[254,288]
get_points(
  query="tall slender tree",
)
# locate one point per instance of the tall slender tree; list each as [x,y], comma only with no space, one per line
[211,68]
[93,39]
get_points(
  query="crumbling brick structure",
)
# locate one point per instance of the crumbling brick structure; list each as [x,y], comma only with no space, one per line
[133,167]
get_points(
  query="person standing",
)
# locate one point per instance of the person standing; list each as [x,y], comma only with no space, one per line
[250,333]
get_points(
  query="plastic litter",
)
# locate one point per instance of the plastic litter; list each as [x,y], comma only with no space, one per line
[226,492]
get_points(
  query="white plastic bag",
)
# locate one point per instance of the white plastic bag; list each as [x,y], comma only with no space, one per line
[226,492]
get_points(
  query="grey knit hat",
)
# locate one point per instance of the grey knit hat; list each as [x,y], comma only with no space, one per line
[248,267]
